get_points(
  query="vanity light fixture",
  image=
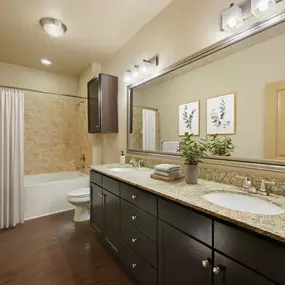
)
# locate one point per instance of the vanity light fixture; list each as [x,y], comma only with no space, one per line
[127,76]
[45,61]
[232,18]
[260,6]
[145,66]
[53,27]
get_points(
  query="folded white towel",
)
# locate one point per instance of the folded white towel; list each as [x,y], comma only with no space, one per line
[176,173]
[167,167]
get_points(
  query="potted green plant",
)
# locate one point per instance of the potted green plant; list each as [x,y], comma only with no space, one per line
[221,146]
[192,151]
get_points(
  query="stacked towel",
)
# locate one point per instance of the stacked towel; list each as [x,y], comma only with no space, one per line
[168,170]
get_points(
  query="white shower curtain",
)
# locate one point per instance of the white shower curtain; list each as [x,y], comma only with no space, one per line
[149,129]
[11,158]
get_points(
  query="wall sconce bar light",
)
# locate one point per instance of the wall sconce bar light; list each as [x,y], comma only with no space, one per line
[142,70]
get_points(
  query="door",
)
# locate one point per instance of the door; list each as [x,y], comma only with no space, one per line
[111,220]
[274,133]
[182,260]
[228,272]
[96,211]
[94,114]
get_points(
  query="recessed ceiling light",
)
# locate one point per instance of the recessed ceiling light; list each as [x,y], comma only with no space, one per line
[46,61]
[53,27]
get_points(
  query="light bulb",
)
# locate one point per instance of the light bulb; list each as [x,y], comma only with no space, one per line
[135,72]
[232,22]
[45,61]
[263,6]
[127,76]
[145,67]
[54,30]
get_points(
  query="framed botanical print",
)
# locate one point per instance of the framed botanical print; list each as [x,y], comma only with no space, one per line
[189,118]
[221,114]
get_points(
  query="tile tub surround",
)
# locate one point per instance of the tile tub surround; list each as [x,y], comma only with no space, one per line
[55,133]
[272,226]
[220,175]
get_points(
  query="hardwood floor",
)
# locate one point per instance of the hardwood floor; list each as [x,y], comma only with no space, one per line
[56,251]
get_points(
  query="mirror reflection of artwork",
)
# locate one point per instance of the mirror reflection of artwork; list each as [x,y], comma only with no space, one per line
[221,115]
[189,116]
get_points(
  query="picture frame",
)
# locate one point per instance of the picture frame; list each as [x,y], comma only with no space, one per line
[221,114]
[189,118]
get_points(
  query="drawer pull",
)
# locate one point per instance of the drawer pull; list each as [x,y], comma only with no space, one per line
[134,197]
[134,265]
[134,240]
[100,195]
[134,218]
[206,263]
[216,270]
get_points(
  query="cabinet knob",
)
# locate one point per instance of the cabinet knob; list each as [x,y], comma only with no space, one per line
[134,265]
[216,270]
[205,263]
[134,197]
[100,195]
[134,218]
[134,240]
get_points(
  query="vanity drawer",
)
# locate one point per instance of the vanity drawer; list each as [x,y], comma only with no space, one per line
[141,244]
[139,198]
[111,185]
[192,223]
[253,251]
[96,178]
[140,220]
[143,272]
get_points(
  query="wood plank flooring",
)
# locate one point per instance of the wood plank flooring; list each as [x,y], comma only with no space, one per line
[56,251]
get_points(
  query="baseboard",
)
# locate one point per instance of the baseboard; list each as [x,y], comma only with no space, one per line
[49,214]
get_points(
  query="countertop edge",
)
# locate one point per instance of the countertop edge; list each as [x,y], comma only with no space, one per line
[257,230]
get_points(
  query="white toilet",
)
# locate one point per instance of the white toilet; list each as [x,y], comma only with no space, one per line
[80,198]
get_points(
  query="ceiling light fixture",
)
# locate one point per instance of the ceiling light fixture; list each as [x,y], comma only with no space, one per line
[260,6]
[232,18]
[45,61]
[53,27]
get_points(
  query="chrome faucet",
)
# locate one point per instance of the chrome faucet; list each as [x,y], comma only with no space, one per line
[247,185]
[263,190]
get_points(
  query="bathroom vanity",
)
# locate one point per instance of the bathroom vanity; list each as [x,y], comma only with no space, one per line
[167,233]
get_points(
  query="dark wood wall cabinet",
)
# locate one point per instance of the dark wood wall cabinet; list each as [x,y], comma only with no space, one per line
[103,104]
[164,243]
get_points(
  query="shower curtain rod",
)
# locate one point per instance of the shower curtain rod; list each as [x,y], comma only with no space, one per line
[148,108]
[42,92]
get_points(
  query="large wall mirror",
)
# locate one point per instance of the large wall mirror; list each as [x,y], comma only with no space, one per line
[234,89]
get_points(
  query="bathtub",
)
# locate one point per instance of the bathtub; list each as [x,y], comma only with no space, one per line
[46,194]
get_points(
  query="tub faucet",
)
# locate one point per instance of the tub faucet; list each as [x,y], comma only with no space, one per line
[83,158]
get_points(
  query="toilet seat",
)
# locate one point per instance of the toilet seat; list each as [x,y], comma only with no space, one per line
[79,193]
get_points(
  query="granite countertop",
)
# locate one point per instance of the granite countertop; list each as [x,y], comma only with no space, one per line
[272,226]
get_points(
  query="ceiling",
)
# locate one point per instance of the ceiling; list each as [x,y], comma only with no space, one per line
[95,30]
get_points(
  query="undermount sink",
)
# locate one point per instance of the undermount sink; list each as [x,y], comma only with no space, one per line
[244,203]
[120,169]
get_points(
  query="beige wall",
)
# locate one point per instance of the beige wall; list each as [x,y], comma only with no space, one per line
[182,28]
[55,126]
[224,76]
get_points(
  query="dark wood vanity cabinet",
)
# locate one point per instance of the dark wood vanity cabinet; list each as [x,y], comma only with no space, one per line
[180,258]
[96,210]
[102,104]
[164,243]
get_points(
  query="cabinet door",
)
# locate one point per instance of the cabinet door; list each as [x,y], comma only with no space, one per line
[94,114]
[111,220]
[96,212]
[181,258]
[228,272]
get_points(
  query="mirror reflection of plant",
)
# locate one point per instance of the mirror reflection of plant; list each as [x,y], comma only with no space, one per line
[220,146]
[192,150]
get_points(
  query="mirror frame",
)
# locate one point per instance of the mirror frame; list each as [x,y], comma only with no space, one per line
[260,164]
